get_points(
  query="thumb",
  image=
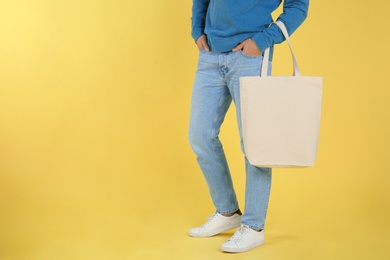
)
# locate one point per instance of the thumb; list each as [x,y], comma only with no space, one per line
[238,47]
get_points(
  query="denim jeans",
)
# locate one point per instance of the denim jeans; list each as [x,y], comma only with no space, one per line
[216,85]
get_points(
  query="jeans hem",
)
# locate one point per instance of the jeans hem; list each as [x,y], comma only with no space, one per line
[229,211]
[254,227]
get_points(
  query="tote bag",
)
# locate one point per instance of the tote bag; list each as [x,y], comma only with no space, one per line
[280,116]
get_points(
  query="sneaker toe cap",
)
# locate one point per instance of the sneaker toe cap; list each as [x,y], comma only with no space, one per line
[196,232]
[229,245]
[193,231]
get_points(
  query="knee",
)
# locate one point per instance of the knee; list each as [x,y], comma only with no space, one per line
[202,140]
[197,138]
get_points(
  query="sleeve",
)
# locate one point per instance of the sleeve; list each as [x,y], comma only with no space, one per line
[198,19]
[294,13]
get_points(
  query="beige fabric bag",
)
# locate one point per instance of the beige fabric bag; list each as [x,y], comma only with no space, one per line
[280,116]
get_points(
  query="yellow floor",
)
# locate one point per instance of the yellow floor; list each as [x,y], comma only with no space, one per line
[113,217]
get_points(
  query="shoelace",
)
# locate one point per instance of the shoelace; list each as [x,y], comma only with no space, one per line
[210,218]
[240,233]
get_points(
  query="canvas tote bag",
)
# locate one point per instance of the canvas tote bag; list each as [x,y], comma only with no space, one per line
[280,116]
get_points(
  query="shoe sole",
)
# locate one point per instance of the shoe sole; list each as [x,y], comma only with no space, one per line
[240,250]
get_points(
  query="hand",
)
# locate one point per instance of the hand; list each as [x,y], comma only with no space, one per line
[248,47]
[202,43]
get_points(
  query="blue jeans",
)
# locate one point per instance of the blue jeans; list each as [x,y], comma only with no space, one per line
[216,85]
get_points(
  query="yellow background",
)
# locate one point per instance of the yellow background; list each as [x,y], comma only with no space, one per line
[94,157]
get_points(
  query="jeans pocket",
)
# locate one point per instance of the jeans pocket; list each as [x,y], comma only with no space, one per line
[251,57]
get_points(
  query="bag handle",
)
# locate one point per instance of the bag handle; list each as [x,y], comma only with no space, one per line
[264,66]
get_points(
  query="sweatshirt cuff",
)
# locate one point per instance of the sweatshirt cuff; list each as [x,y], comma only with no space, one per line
[196,34]
[261,41]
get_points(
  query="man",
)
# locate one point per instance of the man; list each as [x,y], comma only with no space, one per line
[231,36]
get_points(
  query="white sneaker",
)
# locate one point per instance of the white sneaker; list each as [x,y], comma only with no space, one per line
[216,223]
[243,240]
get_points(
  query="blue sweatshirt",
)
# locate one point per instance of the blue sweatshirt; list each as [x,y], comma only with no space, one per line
[226,23]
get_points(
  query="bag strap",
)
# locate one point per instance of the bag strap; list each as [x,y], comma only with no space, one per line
[264,67]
